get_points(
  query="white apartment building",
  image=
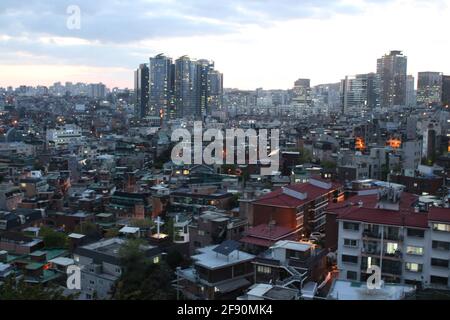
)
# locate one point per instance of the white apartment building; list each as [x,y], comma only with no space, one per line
[409,246]
[67,134]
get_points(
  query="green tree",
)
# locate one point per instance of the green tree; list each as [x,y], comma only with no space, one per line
[112,233]
[18,289]
[305,156]
[87,228]
[142,223]
[53,239]
[142,279]
[328,165]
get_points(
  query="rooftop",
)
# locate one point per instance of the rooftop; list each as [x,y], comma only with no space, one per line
[439,214]
[210,259]
[351,290]
[295,195]
[293,245]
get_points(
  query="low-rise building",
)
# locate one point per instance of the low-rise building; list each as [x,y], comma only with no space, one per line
[220,272]
[299,207]
[408,245]
[101,266]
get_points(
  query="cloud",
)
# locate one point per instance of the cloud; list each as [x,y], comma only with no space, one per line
[127,21]
[316,38]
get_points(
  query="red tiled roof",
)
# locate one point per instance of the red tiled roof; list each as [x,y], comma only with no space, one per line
[439,214]
[265,232]
[368,201]
[264,236]
[278,199]
[386,217]
[257,241]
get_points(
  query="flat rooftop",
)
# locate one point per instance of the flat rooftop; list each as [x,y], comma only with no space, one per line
[212,260]
[293,245]
[353,290]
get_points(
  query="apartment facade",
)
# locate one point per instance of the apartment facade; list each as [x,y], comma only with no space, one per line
[409,247]
[299,207]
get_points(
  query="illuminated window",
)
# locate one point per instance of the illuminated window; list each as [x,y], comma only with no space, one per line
[264,269]
[156,260]
[391,247]
[413,267]
[441,227]
[414,250]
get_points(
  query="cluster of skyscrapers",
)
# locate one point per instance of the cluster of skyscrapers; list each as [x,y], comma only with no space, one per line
[391,85]
[181,88]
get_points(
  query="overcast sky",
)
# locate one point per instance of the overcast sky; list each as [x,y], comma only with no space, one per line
[255,43]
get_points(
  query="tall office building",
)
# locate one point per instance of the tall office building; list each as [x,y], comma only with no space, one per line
[361,90]
[97,90]
[429,88]
[161,87]
[204,68]
[411,100]
[328,94]
[141,88]
[392,71]
[214,91]
[301,93]
[445,90]
[186,88]
[198,87]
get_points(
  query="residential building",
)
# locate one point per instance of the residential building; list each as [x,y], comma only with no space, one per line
[392,71]
[141,88]
[101,266]
[220,272]
[291,263]
[429,88]
[67,134]
[410,245]
[299,207]
[161,96]
[445,90]
[212,227]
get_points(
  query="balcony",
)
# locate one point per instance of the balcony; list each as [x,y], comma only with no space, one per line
[397,255]
[377,253]
[370,252]
[393,237]
[367,234]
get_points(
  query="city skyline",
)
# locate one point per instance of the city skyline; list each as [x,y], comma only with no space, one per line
[237,35]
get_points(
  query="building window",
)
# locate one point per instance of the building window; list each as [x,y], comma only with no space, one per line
[414,250]
[439,280]
[264,269]
[349,259]
[441,227]
[156,260]
[351,226]
[441,245]
[391,247]
[350,243]
[413,267]
[418,233]
[201,232]
[352,275]
[439,263]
